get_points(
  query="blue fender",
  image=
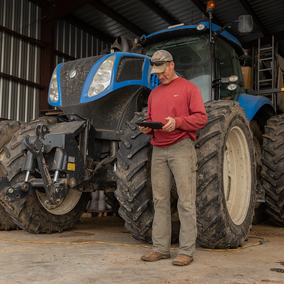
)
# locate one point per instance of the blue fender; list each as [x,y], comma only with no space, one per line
[148,80]
[252,104]
[145,81]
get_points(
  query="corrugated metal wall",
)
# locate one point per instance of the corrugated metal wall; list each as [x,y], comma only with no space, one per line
[19,58]
[74,42]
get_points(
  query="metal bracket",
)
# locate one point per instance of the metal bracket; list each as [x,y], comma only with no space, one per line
[54,191]
[37,151]
[67,158]
[9,193]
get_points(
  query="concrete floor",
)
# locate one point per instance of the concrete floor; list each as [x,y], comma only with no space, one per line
[34,260]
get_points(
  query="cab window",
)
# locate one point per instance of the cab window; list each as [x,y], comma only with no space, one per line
[228,65]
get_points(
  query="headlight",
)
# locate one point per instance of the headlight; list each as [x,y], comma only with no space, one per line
[232,87]
[200,27]
[233,78]
[102,77]
[53,87]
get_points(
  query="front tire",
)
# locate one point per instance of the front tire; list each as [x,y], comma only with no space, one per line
[7,130]
[32,213]
[134,190]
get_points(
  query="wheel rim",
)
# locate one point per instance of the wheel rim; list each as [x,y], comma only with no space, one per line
[64,206]
[237,175]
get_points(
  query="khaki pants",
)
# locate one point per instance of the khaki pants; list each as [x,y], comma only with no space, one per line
[177,161]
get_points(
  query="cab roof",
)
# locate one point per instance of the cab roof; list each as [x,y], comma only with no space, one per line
[180,31]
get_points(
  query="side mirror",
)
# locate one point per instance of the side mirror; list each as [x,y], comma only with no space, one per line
[245,24]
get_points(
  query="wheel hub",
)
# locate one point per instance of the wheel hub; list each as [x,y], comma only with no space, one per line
[64,206]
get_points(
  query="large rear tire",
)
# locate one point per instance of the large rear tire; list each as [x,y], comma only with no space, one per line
[7,129]
[273,169]
[32,213]
[226,177]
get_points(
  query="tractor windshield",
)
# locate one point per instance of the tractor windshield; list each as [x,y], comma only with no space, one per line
[192,60]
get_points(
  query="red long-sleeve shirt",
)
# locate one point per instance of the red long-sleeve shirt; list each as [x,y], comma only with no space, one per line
[181,100]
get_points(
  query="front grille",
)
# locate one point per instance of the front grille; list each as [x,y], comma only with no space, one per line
[129,68]
[71,88]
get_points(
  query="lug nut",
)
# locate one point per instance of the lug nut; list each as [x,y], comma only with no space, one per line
[25,187]
[11,190]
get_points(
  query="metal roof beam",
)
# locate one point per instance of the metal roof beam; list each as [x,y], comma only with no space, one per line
[254,16]
[64,7]
[69,18]
[88,29]
[117,17]
[161,13]
[202,7]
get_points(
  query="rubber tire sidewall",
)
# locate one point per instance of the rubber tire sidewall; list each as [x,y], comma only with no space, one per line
[273,169]
[6,223]
[215,226]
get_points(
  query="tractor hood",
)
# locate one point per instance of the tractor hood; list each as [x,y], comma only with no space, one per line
[89,79]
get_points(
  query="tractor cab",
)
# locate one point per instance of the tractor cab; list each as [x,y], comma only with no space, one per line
[193,62]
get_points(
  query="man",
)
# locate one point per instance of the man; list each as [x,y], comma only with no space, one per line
[178,104]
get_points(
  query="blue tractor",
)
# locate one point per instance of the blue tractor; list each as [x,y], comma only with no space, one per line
[51,165]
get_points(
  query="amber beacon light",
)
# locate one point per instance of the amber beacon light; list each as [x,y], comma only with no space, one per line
[210,7]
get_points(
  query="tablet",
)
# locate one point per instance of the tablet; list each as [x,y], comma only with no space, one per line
[151,124]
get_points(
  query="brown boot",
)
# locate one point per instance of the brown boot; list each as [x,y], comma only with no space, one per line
[182,260]
[154,256]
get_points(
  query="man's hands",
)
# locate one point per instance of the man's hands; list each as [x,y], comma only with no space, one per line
[145,130]
[171,125]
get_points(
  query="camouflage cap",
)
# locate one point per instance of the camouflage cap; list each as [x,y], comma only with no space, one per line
[159,57]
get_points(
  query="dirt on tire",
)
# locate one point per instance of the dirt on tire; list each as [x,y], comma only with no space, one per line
[7,130]
[273,169]
[133,176]
[134,191]
[216,229]
[28,213]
